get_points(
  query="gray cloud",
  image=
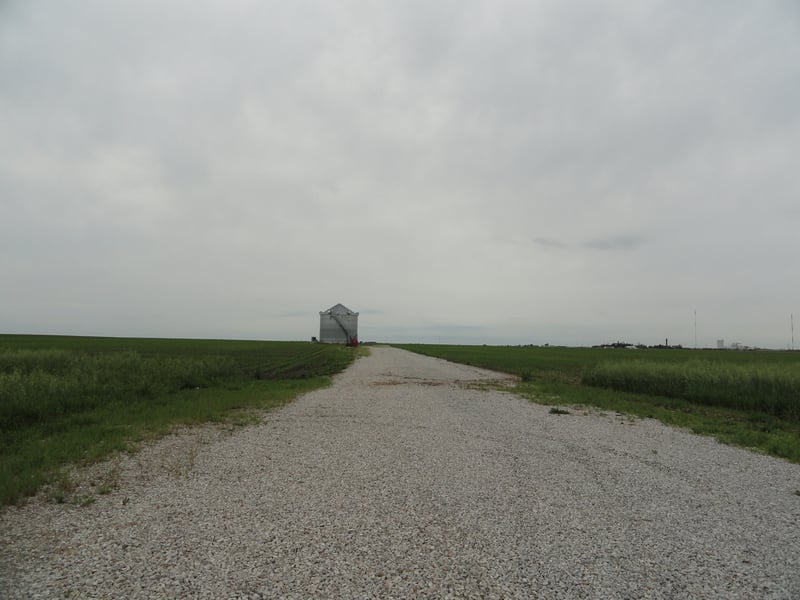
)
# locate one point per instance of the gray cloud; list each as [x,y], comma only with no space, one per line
[220,169]
[548,243]
[615,242]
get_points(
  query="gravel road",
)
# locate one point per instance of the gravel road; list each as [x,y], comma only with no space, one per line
[410,478]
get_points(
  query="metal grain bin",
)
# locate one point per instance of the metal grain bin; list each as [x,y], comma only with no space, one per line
[338,325]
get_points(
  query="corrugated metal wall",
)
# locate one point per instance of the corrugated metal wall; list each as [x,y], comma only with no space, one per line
[330,332]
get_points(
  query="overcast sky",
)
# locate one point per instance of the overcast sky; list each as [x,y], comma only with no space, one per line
[539,171]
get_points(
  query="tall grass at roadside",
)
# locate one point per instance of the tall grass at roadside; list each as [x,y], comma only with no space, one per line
[67,399]
[749,399]
[769,388]
[40,387]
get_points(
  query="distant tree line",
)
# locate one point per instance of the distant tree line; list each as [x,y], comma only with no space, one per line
[619,344]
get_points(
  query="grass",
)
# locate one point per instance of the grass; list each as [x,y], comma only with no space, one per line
[769,388]
[749,399]
[67,400]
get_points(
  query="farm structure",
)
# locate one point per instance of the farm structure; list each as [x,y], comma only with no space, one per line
[338,325]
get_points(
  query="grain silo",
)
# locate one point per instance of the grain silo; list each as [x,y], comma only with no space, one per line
[338,325]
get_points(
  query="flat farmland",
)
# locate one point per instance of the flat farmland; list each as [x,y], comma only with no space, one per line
[415,477]
[66,400]
[746,398]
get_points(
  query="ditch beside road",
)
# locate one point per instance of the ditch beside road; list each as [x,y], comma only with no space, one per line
[415,477]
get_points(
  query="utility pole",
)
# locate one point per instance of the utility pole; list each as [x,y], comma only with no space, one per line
[695,329]
[791,318]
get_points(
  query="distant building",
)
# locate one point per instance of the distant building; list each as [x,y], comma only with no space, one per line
[338,325]
[720,344]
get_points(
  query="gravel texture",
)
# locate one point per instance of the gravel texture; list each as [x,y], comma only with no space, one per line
[411,478]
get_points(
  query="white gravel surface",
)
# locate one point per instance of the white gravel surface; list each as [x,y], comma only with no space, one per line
[407,480]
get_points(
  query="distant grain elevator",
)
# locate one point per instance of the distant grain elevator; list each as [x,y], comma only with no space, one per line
[338,325]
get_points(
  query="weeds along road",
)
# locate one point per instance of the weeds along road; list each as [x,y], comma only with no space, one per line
[411,478]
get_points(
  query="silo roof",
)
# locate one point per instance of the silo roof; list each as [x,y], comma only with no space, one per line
[338,309]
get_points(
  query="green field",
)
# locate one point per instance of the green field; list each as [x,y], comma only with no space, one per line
[66,400]
[748,398]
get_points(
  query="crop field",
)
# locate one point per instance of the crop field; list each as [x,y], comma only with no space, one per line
[70,399]
[748,398]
